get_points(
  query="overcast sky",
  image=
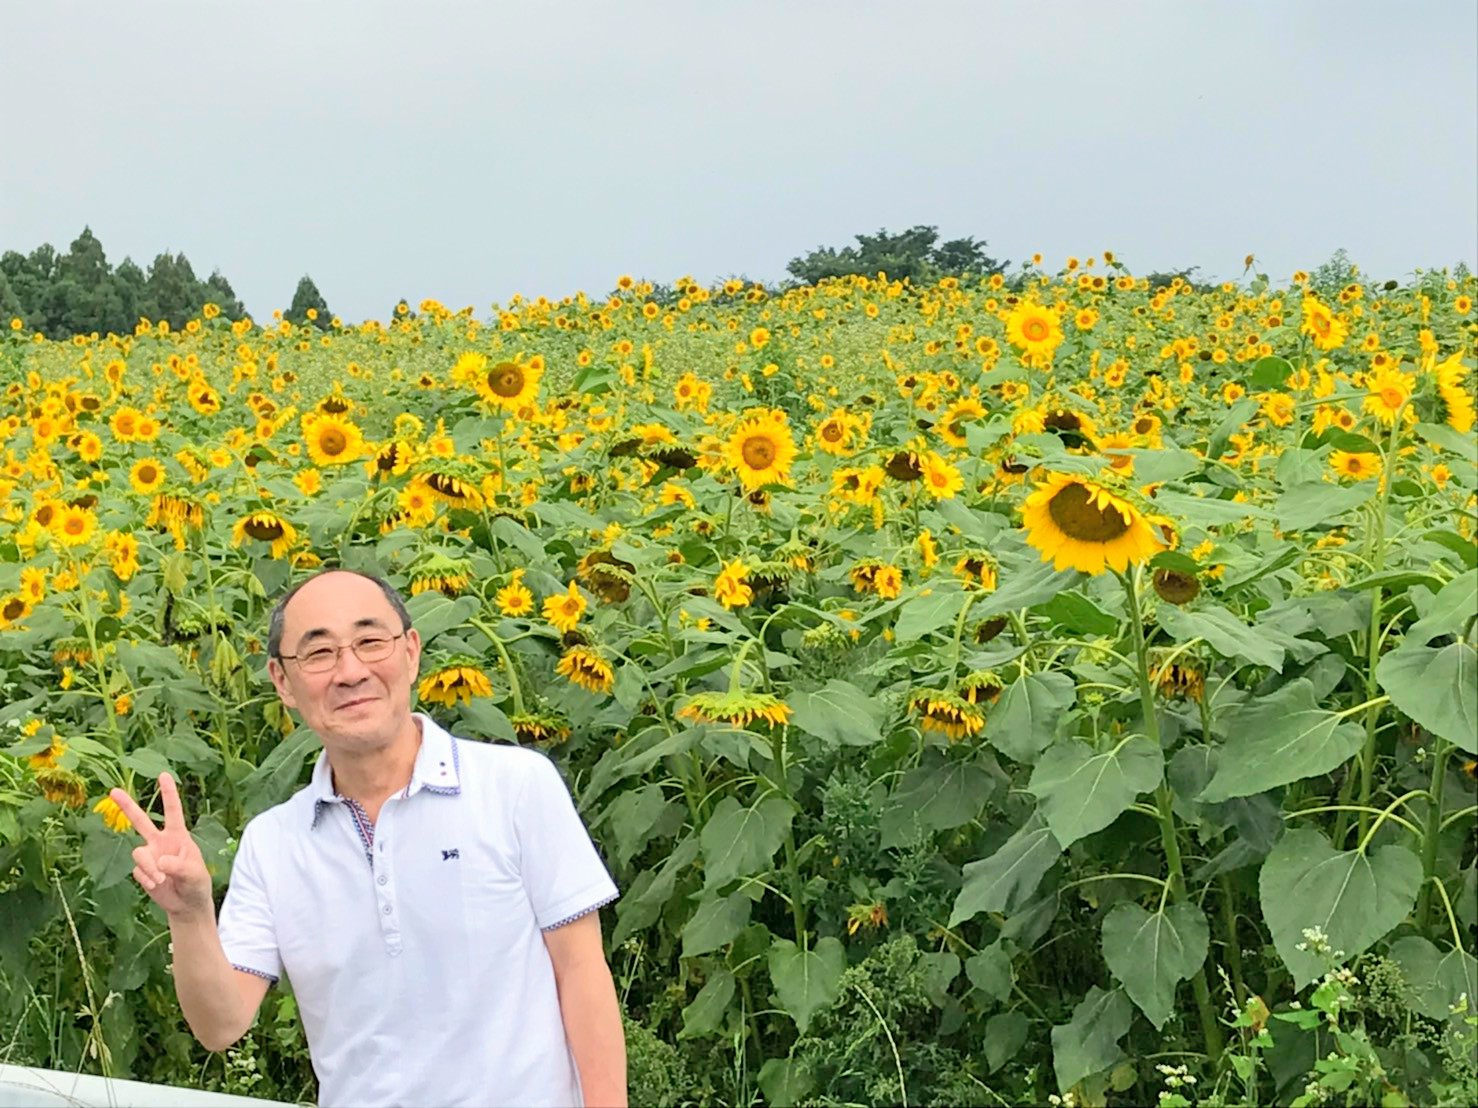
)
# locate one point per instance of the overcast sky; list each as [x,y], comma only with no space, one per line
[470,151]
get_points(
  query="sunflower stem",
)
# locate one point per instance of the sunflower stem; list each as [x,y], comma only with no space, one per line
[513,686]
[970,599]
[1164,807]
[1432,833]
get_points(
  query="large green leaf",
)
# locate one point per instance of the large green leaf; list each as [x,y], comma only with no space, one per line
[1006,880]
[1005,1034]
[807,981]
[991,971]
[1089,1042]
[1354,897]
[935,798]
[1453,606]
[838,712]
[738,840]
[1037,582]
[1153,952]
[432,613]
[715,924]
[1023,722]
[632,819]
[1227,634]
[1437,687]
[1081,792]
[935,612]
[649,893]
[1439,434]
[1279,739]
[107,856]
[706,1013]
[1319,502]
[1435,981]
[1235,419]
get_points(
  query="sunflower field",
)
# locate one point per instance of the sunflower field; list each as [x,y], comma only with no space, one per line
[1045,690]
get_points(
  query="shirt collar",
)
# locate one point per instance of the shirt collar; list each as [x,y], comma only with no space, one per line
[437,769]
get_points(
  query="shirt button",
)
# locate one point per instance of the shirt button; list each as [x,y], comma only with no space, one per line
[382,879]
[387,909]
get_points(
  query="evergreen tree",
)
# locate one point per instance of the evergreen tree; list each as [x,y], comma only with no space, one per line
[307,296]
[10,303]
[172,292]
[128,283]
[906,255]
[218,291]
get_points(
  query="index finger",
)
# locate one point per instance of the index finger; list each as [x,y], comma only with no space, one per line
[142,823]
[174,811]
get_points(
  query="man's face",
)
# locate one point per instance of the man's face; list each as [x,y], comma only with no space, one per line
[355,703]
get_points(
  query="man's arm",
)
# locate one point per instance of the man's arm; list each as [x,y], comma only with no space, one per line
[590,1010]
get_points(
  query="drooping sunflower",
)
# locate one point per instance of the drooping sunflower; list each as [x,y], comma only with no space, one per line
[730,587]
[333,440]
[760,450]
[1356,465]
[963,412]
[510,385]
[1457,404]
[265,526]
[540,727]
[73,526]
[1175,586]
[455,489]
[460,679]
[736,707]
[438,573]
[1036,332]
[583,666]
[146,476]
[1080,524]
[113,817]
[951,715]
[62,786]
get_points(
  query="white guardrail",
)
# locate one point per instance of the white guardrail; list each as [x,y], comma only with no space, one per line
[24,1087]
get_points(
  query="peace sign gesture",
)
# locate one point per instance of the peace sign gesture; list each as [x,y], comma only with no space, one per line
[169,865]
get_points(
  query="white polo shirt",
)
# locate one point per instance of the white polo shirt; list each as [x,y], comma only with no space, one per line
[414,945]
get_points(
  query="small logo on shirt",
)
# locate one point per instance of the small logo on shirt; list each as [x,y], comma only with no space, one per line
[448,855]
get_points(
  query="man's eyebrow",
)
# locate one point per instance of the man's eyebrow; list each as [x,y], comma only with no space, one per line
[324,633]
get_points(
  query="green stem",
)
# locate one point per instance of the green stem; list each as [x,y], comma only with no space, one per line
[1169,839]
[513,687]
[970,599]
[1233,948]
[1432,834]
[792,869]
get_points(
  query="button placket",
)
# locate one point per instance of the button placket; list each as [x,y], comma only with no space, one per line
[384,883]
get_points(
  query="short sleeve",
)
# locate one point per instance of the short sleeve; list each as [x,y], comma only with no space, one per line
[562,872]
[245,922]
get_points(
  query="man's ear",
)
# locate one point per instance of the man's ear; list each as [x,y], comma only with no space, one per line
[279,680]
[413,652]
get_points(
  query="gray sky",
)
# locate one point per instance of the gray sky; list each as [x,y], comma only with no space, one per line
[470,151]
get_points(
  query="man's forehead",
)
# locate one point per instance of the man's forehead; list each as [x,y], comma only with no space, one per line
[334,599]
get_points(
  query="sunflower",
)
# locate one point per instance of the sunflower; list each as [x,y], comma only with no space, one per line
[452,488]
[1075,430]
[1356,465]
[438,573]
[981,687]
[33,584]
[1327,330]
[146,476]
[952,715]
[392,459]
[540,727]
[834,433]
[730,587]
[1457,405]
[515,599]
[735,707]
[1389,390]
[584,666]
[1077,523]
[1174,586]
[73,526]
[264,526]
[977,568]
[1182,679]
[13,609]
[510,385]
[113,817]
[1036,332]
[760,450]
[333,440]
[62,786]
[125,423]
[951,426]
[564,609]
[460,679]
[941,480]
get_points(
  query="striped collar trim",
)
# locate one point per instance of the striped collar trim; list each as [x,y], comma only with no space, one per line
[437,769]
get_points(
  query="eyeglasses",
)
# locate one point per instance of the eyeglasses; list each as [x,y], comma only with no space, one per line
[371,648]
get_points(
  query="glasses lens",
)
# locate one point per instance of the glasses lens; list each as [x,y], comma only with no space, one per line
[318,660]
[373,650]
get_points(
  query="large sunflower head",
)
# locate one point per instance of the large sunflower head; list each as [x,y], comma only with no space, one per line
[146,476]
[760,450]
[1077,523]
[265,526]
[460,679]
[584,666]
[1035,331]
[947,713]
[333,440]
[509,385]
[73,525]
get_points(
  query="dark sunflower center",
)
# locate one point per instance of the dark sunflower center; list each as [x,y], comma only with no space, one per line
[334,406]
[1063,421]
[758,452]
[333,441]
[832,432]
[13,608]
[1074,513]
[148,474]
[386,460]
[506,379]
[264,528]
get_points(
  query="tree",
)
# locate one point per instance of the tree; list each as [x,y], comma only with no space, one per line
[308,297]
[172,291]
[10,303]
[907,255]
[218,291]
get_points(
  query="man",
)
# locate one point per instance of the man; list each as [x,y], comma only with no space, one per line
[432,900]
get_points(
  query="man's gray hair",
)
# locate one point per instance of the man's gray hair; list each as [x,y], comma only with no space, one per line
[274,626]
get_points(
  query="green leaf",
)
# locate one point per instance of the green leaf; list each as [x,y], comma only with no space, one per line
[649,893]
[838,712]
[1354,897]
[1037,583]
[1315,503]
[938,969]
[484,719]
[1224,631]
[739,841]
[1006,880]
[1153,952]
[923,614]
[1452,608]
[1278,739]
[432,613]
[147,761]
[1152,466]
[1077,613]
[1465,549]
[1024,721]
[632,819]
[107,856]
[1270,372]
[1005,1034]
[1445,437]
[1437,687]
[1089,1042]
[272,780]
[1435,981]
[785,1081]
[706,1013]
[807,981]
[935,798]
[1207,511]
[715,924]
[1237,416]
[991,972]
[1081,792]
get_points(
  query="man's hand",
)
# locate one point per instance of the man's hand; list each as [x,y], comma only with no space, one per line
[169,865]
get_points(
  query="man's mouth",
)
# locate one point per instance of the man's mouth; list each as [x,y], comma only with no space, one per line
[355,703]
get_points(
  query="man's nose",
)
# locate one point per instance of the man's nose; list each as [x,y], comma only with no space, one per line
[348,669]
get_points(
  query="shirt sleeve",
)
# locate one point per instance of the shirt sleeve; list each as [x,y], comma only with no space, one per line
[245,922]
[563,874]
